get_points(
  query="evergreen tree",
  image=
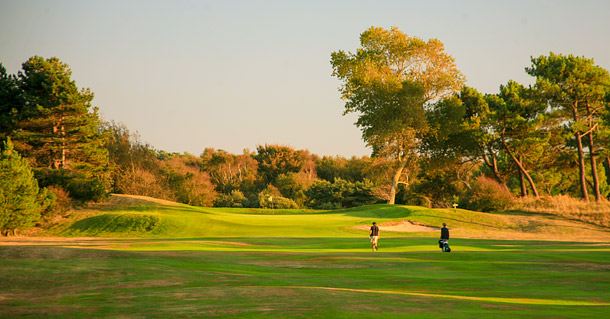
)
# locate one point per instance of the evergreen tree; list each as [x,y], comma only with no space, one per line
[10,102]
[576,88]
[57,129]
[19,193]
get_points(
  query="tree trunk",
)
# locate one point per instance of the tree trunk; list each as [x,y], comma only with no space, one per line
[581,158]
[522,181]
[396,180]
[63,143]
[598,196]
[59,130]
[493,165]
[607,169]
[521,168]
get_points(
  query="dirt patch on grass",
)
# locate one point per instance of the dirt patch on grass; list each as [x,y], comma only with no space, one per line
[403,226]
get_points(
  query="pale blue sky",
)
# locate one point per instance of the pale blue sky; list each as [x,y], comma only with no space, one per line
[234,74]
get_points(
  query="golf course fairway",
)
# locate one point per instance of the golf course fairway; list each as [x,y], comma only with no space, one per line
[151,260]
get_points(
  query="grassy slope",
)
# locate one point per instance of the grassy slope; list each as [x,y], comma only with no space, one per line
[141,218]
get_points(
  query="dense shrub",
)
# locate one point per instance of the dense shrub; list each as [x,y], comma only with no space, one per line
[140,181]
[234,199]
[487,195]
[278,202]
[188,183]
[62,202]
[81,187]
[271,197]
[340,194]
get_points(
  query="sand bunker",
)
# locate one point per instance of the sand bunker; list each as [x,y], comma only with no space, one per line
[404,226]
[126,200]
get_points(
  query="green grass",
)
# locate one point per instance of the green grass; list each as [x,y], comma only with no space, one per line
[163,221]
[186,221]
[303,278]
[186,262]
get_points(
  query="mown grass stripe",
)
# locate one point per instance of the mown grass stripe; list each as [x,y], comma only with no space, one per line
[528,301]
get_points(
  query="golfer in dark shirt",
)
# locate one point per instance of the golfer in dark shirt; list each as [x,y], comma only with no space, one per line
[444,235]
[374,235]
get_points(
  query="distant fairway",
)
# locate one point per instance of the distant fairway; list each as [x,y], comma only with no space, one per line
[134,216]
[153,260]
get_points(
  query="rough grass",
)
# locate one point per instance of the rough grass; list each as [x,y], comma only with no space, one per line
[595,213]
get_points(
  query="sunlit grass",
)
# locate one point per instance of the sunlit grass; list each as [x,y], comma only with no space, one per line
[146,220]
[274,277]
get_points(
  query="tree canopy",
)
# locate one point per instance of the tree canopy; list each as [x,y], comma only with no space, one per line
[389,81]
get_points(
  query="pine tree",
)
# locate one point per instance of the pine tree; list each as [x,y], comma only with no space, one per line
[58,130]
[19,193]
[10,102]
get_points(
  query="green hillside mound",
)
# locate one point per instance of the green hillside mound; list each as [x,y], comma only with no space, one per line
[129,224]
[126,216]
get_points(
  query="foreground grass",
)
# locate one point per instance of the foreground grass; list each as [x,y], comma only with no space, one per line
[302,278]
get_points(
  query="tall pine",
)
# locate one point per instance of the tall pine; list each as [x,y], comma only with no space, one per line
[19,193]
[11,102]
[58,129]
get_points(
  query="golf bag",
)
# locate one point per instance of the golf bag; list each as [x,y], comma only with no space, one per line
[440,243]
[446,247]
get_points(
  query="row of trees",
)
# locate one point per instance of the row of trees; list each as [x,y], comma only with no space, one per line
[435,141]
[274,176]
[415,112]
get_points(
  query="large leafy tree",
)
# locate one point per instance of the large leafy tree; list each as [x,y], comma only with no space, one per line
[389,81]
[230,172]
[274,160]
[576,88]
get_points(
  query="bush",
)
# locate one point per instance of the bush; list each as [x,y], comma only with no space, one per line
[60,205]
[270,197]
[340,194]
[276,202]
[234,199]
[80,186]
[487,195]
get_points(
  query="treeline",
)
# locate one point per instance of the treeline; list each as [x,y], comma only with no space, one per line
[273,176]
[57,153]
[549,139]
[467,148]
[451,144]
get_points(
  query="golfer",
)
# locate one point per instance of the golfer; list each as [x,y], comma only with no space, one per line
[444,236]
[374,235]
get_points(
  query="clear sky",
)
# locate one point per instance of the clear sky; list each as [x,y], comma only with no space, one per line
[232,74]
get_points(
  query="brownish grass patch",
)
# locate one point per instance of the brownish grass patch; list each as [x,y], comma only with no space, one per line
[596,213]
